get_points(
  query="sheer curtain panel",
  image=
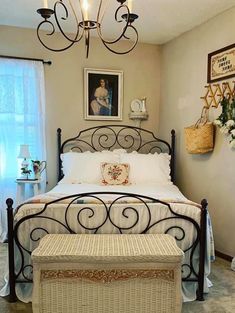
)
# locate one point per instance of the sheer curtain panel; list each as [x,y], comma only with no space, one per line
[22,114]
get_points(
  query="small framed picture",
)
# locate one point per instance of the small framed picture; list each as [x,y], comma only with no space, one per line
[103,94]
[221,64]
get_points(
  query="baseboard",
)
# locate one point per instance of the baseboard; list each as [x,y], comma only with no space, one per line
[223,256]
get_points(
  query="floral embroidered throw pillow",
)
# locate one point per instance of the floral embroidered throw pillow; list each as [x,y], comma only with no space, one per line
[115,173]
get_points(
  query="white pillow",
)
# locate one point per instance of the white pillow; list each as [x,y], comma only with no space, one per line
[119,151]
[147,168]
[85,167]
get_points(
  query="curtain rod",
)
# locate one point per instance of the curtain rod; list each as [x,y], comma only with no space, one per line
[29,59]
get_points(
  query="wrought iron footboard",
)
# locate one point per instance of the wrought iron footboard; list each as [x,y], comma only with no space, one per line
[96,213]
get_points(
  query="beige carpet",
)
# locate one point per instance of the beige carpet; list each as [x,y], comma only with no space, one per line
[221,298]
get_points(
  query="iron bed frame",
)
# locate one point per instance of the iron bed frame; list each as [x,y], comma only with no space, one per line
[98,138]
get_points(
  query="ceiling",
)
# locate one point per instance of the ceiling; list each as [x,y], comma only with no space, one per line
[159,20]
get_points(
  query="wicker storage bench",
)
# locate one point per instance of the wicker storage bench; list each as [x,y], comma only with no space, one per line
[107,274]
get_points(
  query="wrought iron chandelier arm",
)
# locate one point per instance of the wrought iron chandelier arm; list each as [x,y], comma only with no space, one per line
[118,21]
[126,51]
[46,21]
[77,38]
[44,45]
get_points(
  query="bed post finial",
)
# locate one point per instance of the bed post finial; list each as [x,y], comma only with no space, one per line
[9,203]
[172,164]
[11,258]
[202,255]
[59,163]
[204,204]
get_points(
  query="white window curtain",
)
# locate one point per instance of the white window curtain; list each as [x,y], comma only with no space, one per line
[22,115]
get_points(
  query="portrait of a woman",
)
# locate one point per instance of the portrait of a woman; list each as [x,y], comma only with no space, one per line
[101,104]
[103,94]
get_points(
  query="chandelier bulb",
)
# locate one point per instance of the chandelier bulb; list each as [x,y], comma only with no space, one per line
[130,5]
[45,2]
[85,9]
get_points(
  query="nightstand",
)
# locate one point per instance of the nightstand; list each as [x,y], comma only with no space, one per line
[34,185]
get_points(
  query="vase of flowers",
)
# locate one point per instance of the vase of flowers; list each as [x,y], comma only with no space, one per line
[226,120]
[38,168]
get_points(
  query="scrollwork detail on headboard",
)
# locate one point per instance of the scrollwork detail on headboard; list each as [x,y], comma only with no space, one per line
[110,137]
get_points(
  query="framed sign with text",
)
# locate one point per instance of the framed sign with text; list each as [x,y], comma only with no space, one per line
[221,64]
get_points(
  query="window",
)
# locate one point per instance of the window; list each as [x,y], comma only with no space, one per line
[22,112]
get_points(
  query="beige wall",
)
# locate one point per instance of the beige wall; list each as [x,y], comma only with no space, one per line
[183,76]
[64,82]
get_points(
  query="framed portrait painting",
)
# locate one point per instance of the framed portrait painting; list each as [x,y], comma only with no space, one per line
[103,94]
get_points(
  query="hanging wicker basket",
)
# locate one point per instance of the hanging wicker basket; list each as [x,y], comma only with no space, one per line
[199,138]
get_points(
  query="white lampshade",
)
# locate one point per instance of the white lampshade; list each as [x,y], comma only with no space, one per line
[24,152]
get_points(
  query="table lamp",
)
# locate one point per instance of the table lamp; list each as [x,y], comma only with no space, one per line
[24,154]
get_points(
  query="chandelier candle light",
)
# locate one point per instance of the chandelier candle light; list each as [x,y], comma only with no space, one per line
[84,23]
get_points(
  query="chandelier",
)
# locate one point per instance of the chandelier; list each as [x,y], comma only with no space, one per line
[81,13]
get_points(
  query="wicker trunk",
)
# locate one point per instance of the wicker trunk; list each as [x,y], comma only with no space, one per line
[107,274]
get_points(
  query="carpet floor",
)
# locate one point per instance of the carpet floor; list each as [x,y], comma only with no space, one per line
[221,298]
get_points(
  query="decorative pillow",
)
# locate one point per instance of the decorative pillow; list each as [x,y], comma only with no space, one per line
[115,173]
[147,168]
[85,167]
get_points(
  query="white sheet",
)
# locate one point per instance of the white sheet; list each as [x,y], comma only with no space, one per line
[155,190]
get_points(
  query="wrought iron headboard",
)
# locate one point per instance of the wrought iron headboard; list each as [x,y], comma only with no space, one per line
[109,137]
